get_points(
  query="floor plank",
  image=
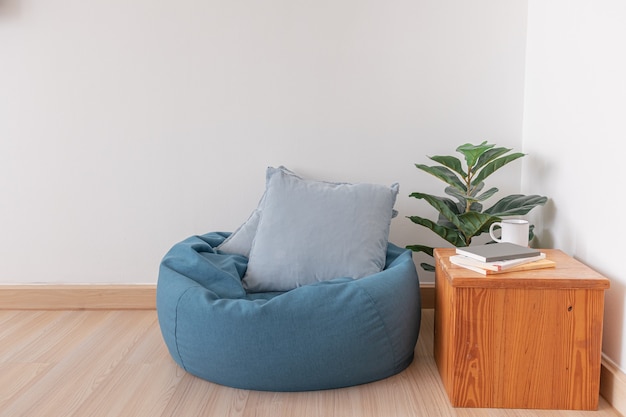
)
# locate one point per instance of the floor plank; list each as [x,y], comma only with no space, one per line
[114,363]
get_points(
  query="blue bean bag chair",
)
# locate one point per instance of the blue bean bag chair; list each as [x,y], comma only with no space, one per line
[330,334]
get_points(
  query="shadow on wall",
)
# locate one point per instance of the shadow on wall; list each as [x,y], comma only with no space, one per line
[614,311]
[9,8]
[543,219]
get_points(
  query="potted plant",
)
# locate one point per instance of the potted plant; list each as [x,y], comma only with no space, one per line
[461,215]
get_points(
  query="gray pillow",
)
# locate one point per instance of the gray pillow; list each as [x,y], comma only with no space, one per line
[311,231]
[240,241]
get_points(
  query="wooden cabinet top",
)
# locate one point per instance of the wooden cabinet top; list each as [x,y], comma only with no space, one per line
[568,273]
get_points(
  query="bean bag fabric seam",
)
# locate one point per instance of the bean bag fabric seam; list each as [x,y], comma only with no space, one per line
[178,304]
[380,317]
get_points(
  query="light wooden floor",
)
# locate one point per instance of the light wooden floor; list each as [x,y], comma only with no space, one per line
[114,363]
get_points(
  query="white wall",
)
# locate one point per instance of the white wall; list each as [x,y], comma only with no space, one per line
[126,126]
[574,131]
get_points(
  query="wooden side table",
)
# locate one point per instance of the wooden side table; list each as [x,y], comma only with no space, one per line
[529,339]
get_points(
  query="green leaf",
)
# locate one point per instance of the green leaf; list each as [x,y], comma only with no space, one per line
[427,267]
[444,174]
[475,206]
[489,156]
[443,205]
[460,207]
[474,202]
[421,248]
[490,192]
[495,165]
[516,205]
[473,152]
[450,235]
[473,223]
[456,208]
[475,190]
[451,162]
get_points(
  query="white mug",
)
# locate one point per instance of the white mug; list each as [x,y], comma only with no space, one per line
[513,231]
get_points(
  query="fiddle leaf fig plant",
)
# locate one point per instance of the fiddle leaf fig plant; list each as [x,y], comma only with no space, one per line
[461,215]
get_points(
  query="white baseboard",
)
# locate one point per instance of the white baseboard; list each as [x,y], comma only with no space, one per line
[613,385]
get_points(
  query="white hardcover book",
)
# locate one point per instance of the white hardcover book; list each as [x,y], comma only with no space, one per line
[528,266]
[462,260]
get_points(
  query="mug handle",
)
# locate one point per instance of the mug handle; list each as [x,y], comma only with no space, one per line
[493,225]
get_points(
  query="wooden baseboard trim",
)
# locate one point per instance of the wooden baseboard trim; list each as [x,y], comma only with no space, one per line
[613,385]
[105,297]
[427,291]
[78,297]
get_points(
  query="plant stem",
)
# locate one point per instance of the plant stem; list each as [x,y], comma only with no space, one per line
[468,193]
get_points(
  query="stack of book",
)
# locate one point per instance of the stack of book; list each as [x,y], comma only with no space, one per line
[497,258]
